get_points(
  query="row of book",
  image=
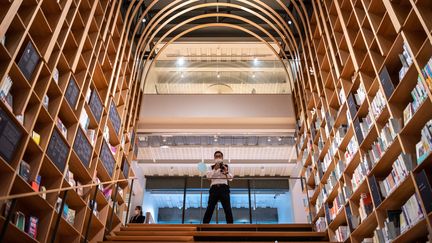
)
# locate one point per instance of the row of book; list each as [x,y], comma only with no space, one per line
[26,223]
[25,173]
[427,73]
[351,149]
[399,221]
[72,182]
[424,146]
[68,213]
[378,104]
[338,204]
[418,95]
[359,175]
[321,224]
[342,233]
[400,170]
[406,61]
[84,121]
[365,206]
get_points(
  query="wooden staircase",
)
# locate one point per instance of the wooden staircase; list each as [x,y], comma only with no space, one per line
[171,233]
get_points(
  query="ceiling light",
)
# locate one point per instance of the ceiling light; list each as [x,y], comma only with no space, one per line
[182,75]
[144,20]
[279,139]
[255,60]
[218,75]
[268,139]
[180,61]
[164,146]
[289,22]
[253,75]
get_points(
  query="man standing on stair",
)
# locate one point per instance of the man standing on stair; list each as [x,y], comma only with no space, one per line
[219,189]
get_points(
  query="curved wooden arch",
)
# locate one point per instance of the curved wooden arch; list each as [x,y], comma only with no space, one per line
[301,10]
[219,15]
[153,33]
[145,75]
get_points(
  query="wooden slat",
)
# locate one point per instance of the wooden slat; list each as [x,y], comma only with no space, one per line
[151,238]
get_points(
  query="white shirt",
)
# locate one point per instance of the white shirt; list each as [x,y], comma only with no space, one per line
[218,174]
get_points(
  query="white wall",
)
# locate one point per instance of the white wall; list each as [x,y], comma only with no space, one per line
[164,113]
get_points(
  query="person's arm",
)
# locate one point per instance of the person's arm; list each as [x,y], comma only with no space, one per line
[210,173]
[228,174]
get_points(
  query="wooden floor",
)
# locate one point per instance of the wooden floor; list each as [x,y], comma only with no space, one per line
[214,233]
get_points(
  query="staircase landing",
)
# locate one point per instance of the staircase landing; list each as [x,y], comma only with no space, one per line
[167,233]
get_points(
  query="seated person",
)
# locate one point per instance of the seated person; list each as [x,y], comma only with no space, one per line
[138,217]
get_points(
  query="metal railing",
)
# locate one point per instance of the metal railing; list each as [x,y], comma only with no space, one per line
[13,198]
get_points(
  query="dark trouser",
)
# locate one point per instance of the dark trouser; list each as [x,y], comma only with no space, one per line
[219,192]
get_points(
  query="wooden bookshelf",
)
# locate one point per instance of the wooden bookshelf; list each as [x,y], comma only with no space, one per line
[77,67]
[353,42]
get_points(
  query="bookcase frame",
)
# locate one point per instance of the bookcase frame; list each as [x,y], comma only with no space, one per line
[352,40]
[80,39]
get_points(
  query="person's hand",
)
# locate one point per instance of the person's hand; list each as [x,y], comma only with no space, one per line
[217,166]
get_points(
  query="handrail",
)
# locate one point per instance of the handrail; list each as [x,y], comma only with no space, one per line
[29,194]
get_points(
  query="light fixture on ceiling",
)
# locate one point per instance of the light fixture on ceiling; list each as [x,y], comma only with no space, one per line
[253,75]
[180,61]
[143,20]
[289,22]
[269,139]
[255,60]
[164,146]
[182,75]
[279,139]
[218,75]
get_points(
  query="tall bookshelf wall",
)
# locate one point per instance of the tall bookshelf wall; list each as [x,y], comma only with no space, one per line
[89,87]
[353,42]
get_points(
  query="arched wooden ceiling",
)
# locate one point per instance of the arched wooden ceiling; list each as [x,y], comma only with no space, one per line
[167,20]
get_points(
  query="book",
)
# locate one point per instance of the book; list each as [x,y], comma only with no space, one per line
[28,60]
[80,189]
[24,170]
[91,135]
[366,206]
[20,220]
[84,120]
[45,101]
[61,127]
[56,75]
[6,208]
[32,226]
[36,137]
[70,218]
[386,82]
[65,211]
[20,119]
[407,113]
[58,204]
[3,40]
[374,188]
[43,189]
[70,178]
[5,86]
[88,95]
[425,190]
[422,151]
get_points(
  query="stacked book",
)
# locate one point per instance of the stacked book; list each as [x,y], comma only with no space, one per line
[360,95]
[406,61]
[400,170]
[378,104]
[412,213]
[366,206]
[366,124]
[342,233]
[360,174]
[427,73]
[5,87]
[351,149]
[320,224]
[418,95]
[340,167]
[424,146]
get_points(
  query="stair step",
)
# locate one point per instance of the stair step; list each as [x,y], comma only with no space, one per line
[259,234]
[155,233]
[157,228]
[224,242]
[150,238]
